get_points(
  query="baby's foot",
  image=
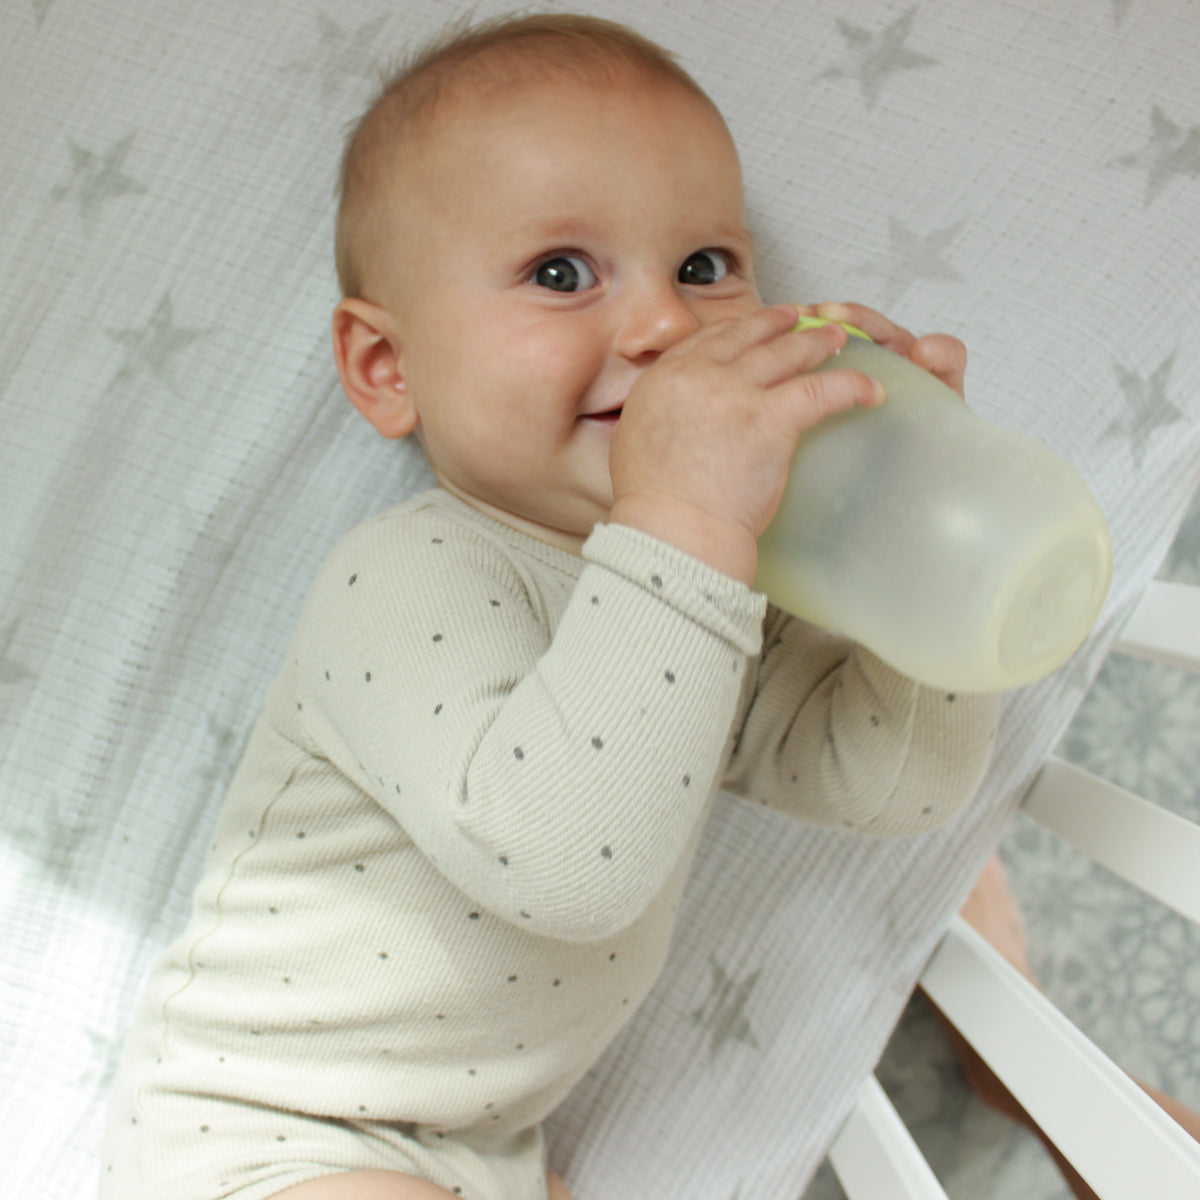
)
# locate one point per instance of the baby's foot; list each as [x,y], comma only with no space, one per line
[992,912]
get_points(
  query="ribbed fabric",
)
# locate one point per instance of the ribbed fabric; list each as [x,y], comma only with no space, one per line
[448,869]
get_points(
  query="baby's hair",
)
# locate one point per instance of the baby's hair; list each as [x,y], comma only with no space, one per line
[504,50]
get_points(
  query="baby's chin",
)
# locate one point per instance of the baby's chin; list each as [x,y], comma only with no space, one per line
[566,528]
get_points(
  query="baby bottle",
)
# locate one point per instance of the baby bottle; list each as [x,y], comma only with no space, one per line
[963,554]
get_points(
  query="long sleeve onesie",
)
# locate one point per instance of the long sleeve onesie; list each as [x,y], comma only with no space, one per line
[449,865]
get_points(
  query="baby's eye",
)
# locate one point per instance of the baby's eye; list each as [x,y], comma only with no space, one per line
[704,267]
[564,273]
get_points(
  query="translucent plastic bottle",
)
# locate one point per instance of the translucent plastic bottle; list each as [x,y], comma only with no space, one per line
[965,555]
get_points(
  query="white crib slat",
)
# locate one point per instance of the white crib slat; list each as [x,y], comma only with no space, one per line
[1149,847]
[1118,1139]
[1165,626]
[875,1157]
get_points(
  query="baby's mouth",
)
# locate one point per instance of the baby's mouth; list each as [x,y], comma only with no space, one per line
[610,417]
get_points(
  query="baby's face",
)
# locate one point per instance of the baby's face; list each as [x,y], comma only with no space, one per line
[552,249]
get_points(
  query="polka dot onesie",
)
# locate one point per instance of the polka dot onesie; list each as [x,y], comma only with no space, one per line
[448,867]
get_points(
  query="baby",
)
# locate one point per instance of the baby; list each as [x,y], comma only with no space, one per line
[448,868]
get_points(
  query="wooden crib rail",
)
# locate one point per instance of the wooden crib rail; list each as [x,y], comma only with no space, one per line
[1165,626]
[875,1155]
[1155,850]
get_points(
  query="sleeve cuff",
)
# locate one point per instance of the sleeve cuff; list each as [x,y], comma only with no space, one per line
[700,592]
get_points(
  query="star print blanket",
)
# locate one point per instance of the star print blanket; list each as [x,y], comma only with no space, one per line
[176,459]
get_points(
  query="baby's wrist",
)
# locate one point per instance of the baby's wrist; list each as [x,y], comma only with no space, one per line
[724,544]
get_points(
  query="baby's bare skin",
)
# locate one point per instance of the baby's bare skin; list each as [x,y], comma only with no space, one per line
[388,1185]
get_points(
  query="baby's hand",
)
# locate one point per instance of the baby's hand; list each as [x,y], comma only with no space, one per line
[701,453]
[940,354]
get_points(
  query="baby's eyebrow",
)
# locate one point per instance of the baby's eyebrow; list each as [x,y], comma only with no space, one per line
[731,233]
[568,231]
[553,230]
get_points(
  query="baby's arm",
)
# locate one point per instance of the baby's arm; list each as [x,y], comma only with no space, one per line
[558,776]
[836,736]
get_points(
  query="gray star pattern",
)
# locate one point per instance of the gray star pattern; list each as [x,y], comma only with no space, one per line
[223,756]
[154,346]
[723,1012]
[99,1073]
[873,57]
[343,54]
[1171,152]
[11,671]
[1148,408]
[97,178]
[911,256]
[50,832]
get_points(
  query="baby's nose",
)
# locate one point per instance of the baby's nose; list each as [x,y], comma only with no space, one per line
[653,321]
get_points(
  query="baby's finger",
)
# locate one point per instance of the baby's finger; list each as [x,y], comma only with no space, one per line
[874,324]
[943,356]
[725,341]
[795,351]
[813,397]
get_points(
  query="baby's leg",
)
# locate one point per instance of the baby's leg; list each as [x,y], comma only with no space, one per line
[388,1185]
[557,1190]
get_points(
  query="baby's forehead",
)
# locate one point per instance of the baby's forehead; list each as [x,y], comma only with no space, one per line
[477,88]
[429,149]
[418,142]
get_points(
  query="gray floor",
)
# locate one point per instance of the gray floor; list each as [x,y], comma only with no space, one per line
[1124,969]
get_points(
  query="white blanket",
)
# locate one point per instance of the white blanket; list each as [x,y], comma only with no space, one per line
[176,458]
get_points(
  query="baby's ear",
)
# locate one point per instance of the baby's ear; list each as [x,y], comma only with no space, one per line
[366,349]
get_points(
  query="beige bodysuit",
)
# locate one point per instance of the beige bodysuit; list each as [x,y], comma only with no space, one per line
[449,865]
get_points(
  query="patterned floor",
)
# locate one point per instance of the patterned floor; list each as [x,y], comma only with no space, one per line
[1124,969]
